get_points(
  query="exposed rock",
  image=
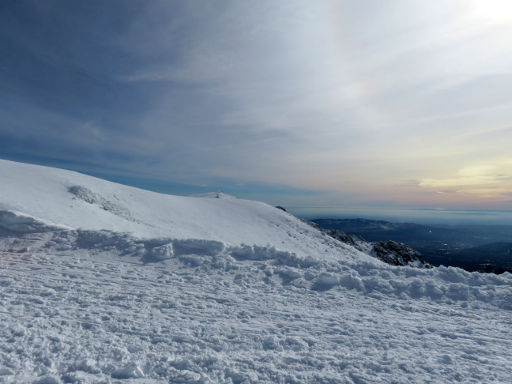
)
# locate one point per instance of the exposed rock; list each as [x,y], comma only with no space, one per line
[356,241]
[395,253]
[390,252]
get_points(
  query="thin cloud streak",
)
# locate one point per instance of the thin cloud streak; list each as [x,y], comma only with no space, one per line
[332,96]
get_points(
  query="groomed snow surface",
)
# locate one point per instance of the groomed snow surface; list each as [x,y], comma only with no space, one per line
[103,283]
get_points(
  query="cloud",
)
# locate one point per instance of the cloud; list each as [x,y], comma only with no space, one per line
[343,97]
[489,180]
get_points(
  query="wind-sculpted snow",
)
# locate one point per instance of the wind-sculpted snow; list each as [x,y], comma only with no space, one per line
[101,283]
[88,196]
[88,307]
[15,222]
[443,284]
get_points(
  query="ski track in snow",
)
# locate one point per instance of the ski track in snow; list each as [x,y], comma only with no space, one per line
[102,283]
[92,316]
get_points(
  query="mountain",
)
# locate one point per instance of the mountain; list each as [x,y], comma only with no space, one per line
[389,251]
[458,236]
[409,233]
[472,247]
[102,282]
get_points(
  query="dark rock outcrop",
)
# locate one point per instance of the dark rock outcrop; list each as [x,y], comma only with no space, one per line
[355,241]
[390,252]
[395,253]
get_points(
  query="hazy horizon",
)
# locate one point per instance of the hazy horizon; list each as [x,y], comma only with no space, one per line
[394,214]
[449,217]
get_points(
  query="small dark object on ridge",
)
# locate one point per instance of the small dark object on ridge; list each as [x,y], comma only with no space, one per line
[281,208]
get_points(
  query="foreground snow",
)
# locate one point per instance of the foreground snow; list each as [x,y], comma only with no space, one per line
[166,289]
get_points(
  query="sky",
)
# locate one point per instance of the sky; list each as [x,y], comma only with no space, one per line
[371,104]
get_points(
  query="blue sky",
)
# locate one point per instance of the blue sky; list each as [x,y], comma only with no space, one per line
[403,104]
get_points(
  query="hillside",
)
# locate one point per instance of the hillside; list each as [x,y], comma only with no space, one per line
[77,201]
[471,247]
[102,282]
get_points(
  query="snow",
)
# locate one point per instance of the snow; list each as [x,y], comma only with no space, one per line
[101,282]
[67,198]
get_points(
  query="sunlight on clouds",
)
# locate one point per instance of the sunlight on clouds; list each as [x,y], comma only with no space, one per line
[486,180]
[399,102]
[494,11]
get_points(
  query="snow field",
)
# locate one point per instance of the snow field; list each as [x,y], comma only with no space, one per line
[443,284]
[64,198]
[92,317]
[105,307]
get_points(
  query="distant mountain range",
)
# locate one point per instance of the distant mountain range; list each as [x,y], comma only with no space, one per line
[482,248]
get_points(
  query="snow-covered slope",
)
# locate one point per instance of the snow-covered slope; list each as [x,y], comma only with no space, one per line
[82,202]
[103,283]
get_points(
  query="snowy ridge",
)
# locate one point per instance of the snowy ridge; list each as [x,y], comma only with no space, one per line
[442,284]
[82,202]
[105,283]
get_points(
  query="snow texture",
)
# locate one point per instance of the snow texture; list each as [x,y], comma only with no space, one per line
[103,283]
